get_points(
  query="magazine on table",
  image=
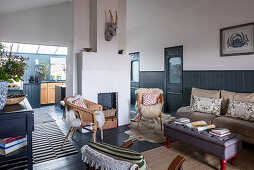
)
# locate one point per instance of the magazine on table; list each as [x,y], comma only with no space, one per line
[199,125]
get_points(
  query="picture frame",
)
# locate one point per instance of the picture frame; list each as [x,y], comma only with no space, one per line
[237,40]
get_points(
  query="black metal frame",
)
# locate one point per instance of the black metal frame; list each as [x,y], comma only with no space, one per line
[233,27]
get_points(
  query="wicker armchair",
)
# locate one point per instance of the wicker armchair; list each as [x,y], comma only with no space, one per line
[154,111]
[87,118]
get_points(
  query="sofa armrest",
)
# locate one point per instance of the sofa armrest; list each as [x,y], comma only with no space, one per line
[183,111]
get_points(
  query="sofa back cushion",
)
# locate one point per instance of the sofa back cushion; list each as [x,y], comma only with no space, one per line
[204,93]
[226,96]
[244,97]
[241,110]
[207,105]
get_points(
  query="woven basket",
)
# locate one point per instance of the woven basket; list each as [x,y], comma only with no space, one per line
[12,101]
[109,112]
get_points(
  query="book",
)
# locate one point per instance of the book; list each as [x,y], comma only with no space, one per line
[181,123]
[5,151]
[220,131]
[220,135]
[8,140]
[201,128]
[182,120]
[199,125]
[196,124]
[12,143]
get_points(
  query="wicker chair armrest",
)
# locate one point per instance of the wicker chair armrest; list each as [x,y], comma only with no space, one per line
[93,106]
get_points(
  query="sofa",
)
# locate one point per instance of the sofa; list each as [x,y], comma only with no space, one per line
[236,125]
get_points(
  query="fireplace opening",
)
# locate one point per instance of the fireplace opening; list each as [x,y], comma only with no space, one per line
[109,103]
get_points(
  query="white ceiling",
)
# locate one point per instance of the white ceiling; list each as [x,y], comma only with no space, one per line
[7,6]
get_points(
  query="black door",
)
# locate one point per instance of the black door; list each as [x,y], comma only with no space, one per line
[135,68]
[173,69]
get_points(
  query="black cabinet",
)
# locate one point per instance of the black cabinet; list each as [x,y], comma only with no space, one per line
[17,120]
[33,90]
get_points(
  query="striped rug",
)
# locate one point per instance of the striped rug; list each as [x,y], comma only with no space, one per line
[47,140]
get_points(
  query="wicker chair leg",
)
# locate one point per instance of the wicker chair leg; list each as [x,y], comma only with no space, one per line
[74,131]
[66,137]
[101,133]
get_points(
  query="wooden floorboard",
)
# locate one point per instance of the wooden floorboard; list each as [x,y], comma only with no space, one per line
[73,162]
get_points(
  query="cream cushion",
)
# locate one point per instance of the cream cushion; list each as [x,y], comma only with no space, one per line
[204,93]
[241,110]
[207,105]
[152,111]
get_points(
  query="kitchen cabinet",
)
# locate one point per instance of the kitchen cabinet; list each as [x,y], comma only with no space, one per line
[48,92]
[44,93]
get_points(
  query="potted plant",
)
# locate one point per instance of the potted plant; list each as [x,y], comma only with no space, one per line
[12,68]
[53,77]
[58,77]
[43,70]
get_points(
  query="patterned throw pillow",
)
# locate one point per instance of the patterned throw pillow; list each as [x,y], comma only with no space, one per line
[207,105]
[79,103]
[149,98]
[241,110]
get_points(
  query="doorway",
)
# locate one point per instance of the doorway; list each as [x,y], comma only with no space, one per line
[173,78]
[135,68]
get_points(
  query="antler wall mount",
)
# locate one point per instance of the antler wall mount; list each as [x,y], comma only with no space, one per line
[111,28]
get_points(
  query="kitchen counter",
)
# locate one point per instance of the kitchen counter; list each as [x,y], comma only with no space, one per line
[50,81]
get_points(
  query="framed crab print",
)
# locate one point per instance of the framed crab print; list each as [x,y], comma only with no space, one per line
[237,40]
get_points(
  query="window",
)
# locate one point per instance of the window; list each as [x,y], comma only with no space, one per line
[135,71]
[58,68]
[175,66]
[35,49]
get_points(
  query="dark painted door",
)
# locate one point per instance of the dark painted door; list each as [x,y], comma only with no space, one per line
[173,69]
[135,68]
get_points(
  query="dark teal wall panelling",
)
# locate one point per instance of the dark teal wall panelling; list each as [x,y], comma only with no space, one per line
[230,80]
[31,63]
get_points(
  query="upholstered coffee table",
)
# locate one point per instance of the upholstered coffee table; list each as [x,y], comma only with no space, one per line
[225,148]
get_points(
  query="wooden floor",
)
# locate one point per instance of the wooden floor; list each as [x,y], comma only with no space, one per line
[112,136]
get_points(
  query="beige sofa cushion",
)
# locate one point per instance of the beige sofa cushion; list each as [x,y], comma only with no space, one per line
[204,93]
[244,97]
[197,116]
[242,127]
[226,96]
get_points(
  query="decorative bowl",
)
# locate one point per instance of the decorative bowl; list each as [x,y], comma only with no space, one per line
[14,99]
[88,49]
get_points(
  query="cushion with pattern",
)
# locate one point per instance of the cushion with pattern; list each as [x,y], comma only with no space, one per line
[241,110]
[149,98]
[79,103]
[207,105]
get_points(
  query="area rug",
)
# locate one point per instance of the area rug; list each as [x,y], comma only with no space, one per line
[47,140]
[42,118]
[149,130]
[161,157]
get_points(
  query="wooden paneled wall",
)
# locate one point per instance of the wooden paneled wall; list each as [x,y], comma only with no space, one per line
[231,80]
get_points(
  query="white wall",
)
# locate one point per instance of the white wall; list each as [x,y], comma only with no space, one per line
[153,25]
[105,70]
[50,25]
